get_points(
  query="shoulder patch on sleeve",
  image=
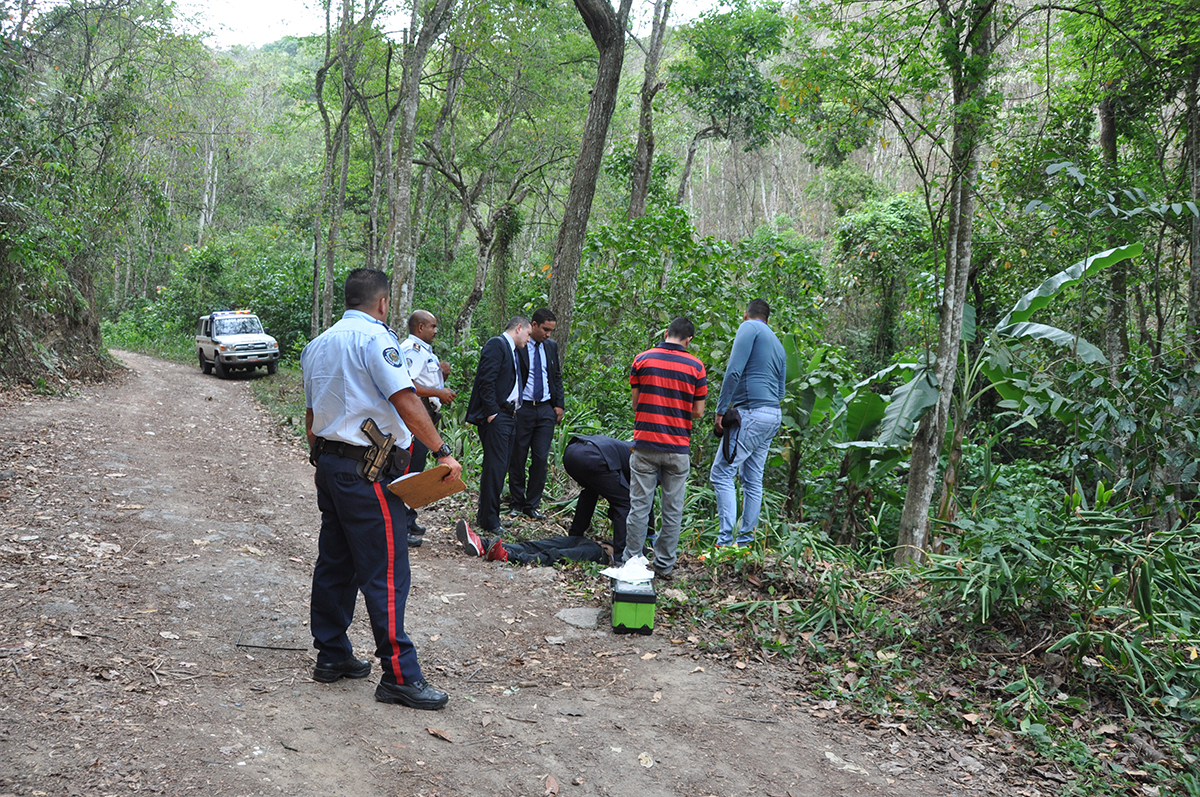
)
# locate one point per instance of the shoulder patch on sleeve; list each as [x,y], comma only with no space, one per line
[392,355]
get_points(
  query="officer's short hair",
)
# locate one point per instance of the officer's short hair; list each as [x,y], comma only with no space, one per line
[363,286]
[516,321]
[542,315]
[759,309]
[681,328]
[417,318]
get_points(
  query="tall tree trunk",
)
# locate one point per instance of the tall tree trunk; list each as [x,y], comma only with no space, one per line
[316,279]
[608,32]
[425,197]
[335,217]
[969,89]
[422,33]
[687,169]
[643,158]
[208,199]
[1193,167]
[1116,334]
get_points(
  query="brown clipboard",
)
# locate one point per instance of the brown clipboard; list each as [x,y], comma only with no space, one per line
[419,489]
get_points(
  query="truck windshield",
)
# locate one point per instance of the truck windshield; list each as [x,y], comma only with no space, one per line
[246,325]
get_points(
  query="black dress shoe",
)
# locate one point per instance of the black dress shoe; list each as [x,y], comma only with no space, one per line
[414,541]
[533,514]
[418,694]
[416,531]
[350,668]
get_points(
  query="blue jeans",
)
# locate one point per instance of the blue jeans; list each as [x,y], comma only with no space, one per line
[759,425]
[648,469]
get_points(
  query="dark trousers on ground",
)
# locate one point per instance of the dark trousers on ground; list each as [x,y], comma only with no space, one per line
[362,545]
[416,465]
[555,549]
[532,441]
[496,438]
[585,464]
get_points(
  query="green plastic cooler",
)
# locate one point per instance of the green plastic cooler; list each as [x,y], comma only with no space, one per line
[633,607]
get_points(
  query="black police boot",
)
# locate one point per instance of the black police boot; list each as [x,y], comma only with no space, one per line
[418,694]
[350,668]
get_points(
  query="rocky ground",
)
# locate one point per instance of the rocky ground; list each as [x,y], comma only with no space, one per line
[156,546]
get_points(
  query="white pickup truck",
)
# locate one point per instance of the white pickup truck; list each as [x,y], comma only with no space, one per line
[233,339]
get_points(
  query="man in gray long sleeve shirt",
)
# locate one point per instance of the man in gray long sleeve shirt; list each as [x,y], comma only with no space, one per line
[755,380]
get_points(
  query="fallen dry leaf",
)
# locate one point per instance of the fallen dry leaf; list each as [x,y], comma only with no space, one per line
[657,697]
[971,718]
[440,734]
[741,665]
[551,785]
[649,656]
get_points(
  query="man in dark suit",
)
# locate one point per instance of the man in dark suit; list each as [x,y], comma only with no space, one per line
[495,396]
[600,465]
[540,411]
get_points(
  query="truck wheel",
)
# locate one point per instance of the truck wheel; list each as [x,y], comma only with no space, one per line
[205,365]
[219,367]
[272,368]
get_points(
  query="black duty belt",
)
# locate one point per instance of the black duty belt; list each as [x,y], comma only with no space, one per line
[397,462]
[508,408]
[340,449]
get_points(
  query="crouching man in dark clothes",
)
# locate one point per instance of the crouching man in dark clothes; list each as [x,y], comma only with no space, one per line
[534,552]
[601,467]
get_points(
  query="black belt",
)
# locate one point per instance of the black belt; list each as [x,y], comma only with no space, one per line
[533,403]
[340,449]
[397,461]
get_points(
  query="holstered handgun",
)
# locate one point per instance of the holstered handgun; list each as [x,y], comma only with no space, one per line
[377,457]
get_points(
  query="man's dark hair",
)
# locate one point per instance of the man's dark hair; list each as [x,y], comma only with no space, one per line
[418,317]
[542,315]
[516,321]
[364,286]
[681,329]
[759,309]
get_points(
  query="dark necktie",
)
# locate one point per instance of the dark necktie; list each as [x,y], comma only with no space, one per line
[517,377]
[537,372]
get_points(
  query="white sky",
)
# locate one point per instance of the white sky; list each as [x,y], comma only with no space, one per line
[253,23]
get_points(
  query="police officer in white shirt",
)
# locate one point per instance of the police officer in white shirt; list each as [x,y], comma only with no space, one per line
[354,372]
[429,380]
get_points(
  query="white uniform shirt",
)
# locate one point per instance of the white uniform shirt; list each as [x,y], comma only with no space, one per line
[422,365]
[350,370]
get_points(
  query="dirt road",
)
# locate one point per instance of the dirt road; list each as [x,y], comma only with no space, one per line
[156,546]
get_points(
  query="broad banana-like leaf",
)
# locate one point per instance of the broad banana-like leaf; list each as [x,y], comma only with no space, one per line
[794,358]
[863,414]
[968,327]
[1028,329]
[1039,297]
[908,403]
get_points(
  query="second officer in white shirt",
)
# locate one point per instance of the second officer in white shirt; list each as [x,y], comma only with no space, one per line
[429,379]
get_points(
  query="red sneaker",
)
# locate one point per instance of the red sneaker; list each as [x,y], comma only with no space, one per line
[497,552]
[472,545]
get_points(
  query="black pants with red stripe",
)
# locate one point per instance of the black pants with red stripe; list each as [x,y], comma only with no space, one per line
[363,545]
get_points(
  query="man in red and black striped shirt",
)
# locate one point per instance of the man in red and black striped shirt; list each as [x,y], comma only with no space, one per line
[669,388]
